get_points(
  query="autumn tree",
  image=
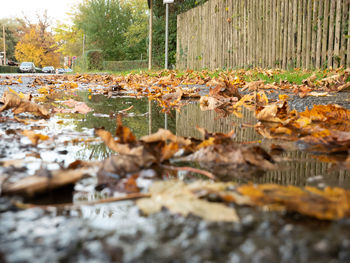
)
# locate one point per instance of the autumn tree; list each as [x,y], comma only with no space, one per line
[12,27]
[37,44]
[69,39]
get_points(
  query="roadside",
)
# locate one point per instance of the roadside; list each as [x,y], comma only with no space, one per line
[119,232]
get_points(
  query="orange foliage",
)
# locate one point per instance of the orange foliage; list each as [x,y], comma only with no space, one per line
[37,48]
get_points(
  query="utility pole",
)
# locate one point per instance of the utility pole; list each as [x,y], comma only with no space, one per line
[83,55]
[166,34]
[150,34]
[4,39]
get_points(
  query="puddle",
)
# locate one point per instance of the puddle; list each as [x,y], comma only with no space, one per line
[97,232]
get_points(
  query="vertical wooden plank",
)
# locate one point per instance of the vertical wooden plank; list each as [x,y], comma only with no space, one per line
[343,33]
[308,34]
[236,32]
[294,31]
[285,34]
[325,33]
[226,35]
[233,32]
[239,30]
[208,37]
[245,50]
[331,33]
[269,35]
[304,37]
[319,34]
[336,58]
[290,34]
[348,46]
[263,34]
[267,30]
[203,43]
[273,36]
[214,25]
[299,34]
[313,34]
[256,33]
[263,30]
[220,36]
[249,25]
[278,32]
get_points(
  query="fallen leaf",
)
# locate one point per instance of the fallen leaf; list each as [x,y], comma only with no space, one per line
[35,137]
[18,105]
[179,199]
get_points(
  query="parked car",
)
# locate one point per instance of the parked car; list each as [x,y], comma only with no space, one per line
[48,69]
[27,67]
[60,71]
[68,70]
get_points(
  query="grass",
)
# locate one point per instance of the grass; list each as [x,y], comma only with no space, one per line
[295,76]
[291,76]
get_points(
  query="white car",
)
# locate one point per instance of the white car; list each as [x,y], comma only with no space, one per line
[27,67]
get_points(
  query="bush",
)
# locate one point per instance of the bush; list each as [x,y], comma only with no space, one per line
[94,59]
[124,65]
[9,69]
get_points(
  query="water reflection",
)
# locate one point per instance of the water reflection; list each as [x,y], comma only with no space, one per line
[297,167]
[144,118]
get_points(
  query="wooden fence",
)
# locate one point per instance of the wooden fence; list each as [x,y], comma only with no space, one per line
[264,33]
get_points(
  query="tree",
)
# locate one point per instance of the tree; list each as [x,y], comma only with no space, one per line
[69,39]
[137,32]
[37,46]
[12,27]
[104,23]
[36,43]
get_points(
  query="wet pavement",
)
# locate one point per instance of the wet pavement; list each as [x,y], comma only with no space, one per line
[118,232]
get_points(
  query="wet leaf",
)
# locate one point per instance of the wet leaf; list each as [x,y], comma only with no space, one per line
[18,105]
[78,106]
[327,204]
[35,137]
[179,199]
[35,184]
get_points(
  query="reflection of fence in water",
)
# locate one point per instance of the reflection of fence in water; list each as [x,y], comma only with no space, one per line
[296,171]
[191,117]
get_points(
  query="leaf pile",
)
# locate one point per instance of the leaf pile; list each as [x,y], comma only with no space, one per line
[327,127]
[217,152]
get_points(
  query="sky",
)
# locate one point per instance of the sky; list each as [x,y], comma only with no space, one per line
[56,9]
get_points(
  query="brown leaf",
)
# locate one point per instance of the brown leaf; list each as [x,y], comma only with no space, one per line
[179,199]
[121,148]
[165,135]
[124,133]
[35,184]
[78,106]
[35,137]
[327,204]
[18,105]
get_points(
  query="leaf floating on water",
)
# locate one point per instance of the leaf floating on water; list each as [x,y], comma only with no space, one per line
[35,137]
[78,106]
